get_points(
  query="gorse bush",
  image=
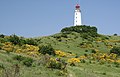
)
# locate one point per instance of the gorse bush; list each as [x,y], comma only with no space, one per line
[56,63]
[73,61]
[29,48]
[7,46]
[60,53]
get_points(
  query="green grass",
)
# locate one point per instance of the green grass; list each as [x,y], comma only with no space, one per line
[71,43]
[34,71]
[82,70]
[94,70]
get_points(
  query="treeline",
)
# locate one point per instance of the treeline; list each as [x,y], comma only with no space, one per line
[16,40]
[83,29]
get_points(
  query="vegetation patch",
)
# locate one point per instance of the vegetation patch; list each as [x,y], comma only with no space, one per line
[77,51]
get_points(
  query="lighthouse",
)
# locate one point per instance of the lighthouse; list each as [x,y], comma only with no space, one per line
[77,16]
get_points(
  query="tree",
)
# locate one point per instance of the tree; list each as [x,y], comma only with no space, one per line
[115,34]
[90,31]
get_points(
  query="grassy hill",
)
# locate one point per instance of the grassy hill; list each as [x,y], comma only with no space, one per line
[78,43]
[74,52]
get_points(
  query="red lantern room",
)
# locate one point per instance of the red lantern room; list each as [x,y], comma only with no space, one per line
[77,6]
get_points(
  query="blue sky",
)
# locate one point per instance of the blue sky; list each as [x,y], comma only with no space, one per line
[32,18]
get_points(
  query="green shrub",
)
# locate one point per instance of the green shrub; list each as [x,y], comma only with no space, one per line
[82,61]
[47,50]
[104,73]
[56,36]
[117,64]
[93,51]
[14,39]
[85,35]
[86,50]
[54,64]
[115,34]
[28,62]
[3,40]
[21,40]
[19,58]
[2,36]
[64,35]
[31,42]
[25,60]
[115,50]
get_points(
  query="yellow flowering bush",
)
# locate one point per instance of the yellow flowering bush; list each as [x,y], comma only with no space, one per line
[113,56]
[7,46]
[110,60]
[109,46]
[82,57]
[104,57]
[85,45]
[73,61]
[29,50]
[34,54]
[19,51]
[70,54]
[118,61]
[60,53]
[53,59]
[114,41]
[53,63]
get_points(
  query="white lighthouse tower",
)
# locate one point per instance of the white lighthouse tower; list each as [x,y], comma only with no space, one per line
[77,16]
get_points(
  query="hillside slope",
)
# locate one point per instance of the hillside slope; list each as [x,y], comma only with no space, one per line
[78,43]
[74,52]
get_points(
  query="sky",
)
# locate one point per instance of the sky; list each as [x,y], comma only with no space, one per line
[33,18]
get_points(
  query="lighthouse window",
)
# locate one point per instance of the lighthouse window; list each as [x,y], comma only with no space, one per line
[76,17]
